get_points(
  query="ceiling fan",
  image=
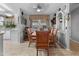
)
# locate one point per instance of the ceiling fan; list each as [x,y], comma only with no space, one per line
[39,7]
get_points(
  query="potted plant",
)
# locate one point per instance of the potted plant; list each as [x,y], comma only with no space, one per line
[10,25]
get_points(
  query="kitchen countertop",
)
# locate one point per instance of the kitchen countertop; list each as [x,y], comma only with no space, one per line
[1,32]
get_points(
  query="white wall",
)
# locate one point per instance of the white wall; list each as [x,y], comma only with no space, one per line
[1,44]
[75,24]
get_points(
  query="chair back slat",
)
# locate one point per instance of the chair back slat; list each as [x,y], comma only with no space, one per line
[42,40]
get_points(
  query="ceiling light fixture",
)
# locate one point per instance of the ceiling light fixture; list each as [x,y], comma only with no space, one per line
[39,7]
[38,10]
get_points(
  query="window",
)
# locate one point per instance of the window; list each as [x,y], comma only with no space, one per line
[1,21]
[37,24]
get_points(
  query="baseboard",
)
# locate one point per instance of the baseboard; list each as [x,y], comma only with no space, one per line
[74,41]
[61,45]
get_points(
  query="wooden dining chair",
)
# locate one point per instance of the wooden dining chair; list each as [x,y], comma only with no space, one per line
[51,37]
[55,36]
[42,41]
[31,37]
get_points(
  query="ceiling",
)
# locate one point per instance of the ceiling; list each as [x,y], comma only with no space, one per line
[27,8]
[73,6]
